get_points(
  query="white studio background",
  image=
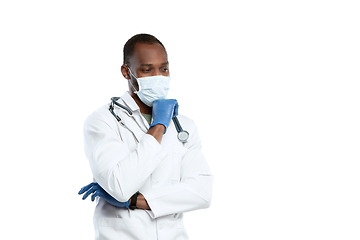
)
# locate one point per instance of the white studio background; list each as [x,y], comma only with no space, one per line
[272,85]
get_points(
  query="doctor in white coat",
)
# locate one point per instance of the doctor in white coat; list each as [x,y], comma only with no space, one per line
[144,177]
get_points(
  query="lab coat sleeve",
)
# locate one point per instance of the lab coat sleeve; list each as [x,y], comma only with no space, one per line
[193,192]
[120,172]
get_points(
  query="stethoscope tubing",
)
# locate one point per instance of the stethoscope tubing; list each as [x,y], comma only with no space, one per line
[177,124]
[178,127]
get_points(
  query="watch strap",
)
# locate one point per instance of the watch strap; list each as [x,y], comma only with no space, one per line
[133,201]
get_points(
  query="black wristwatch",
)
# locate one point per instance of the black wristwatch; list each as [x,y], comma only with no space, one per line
[132,205]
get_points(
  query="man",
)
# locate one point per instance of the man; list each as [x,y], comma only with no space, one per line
[144,177]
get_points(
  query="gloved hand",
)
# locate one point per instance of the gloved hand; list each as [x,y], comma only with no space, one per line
[163,110]
[97,190]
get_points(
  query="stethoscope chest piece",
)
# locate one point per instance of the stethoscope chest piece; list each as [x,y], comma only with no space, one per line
[183,136]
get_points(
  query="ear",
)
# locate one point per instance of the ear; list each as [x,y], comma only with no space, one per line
[125,71]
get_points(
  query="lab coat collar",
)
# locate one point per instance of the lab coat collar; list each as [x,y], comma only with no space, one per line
[130,102]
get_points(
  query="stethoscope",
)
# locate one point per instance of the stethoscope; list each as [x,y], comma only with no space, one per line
[182,134]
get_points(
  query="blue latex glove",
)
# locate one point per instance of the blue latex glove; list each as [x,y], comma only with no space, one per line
[163,110]
[95,189]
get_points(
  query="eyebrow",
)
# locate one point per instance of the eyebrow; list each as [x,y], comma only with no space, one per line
[150,65]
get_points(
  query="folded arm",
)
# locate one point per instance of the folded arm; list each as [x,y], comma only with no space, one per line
[192,192]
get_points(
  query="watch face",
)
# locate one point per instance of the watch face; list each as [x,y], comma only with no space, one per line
[183,136]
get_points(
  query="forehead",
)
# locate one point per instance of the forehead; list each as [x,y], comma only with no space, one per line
[148,54]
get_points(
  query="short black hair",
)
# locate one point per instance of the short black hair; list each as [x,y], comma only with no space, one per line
[139,38]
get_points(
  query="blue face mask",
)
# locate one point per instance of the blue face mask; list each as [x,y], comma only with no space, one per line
[151,88]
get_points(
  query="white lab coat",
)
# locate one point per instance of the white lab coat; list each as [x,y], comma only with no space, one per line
[173,177]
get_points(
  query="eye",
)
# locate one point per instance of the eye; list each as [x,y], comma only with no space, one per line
[164,69]
[147,70]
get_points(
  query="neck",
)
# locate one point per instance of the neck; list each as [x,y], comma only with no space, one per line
[145,109]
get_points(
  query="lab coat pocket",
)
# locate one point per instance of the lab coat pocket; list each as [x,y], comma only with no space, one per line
[118,228]
[178,153]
